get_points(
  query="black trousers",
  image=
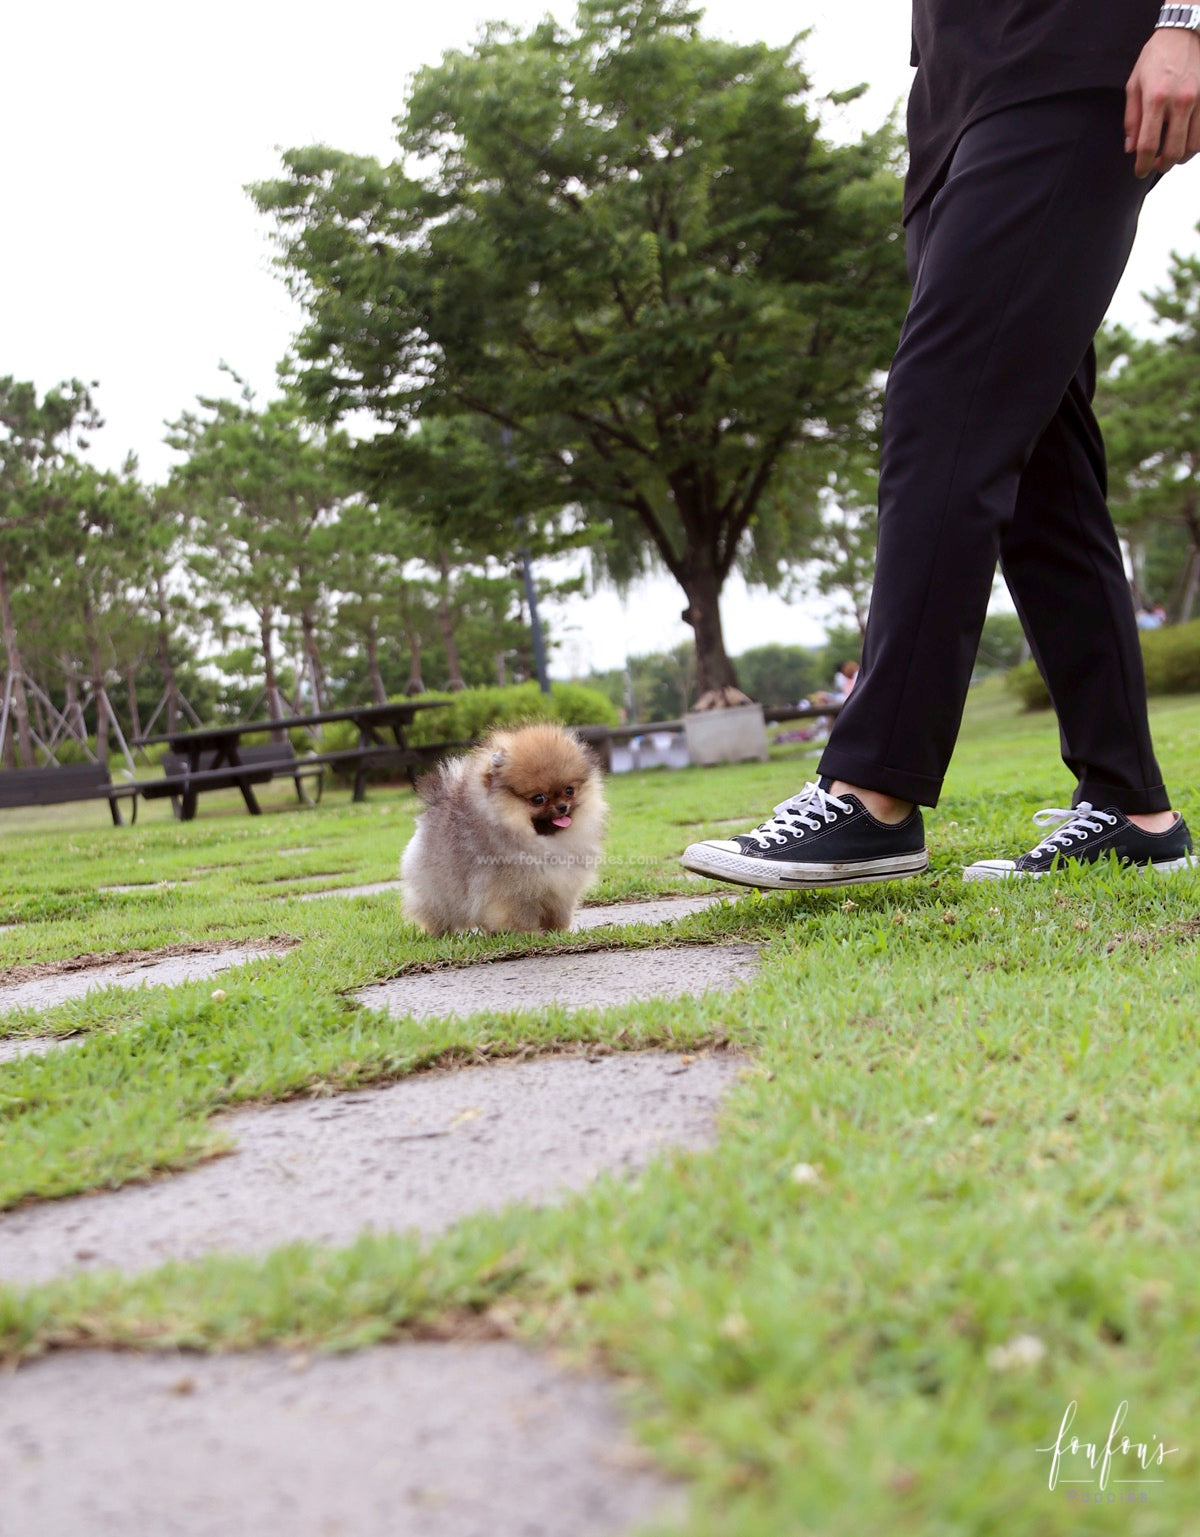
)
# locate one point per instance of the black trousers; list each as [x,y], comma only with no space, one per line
[991,451]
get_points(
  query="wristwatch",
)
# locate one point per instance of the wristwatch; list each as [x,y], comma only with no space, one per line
[1186,16]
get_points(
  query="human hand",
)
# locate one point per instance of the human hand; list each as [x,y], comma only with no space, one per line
[1162,101]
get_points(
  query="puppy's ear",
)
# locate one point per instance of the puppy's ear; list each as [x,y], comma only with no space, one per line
[431,786]
[593,759]
[495,766]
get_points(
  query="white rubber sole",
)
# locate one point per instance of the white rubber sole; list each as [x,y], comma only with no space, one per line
[1005,869]
[770,875]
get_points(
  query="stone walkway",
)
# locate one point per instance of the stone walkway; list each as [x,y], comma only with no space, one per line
[416,1440]
[591,979]
[45,992]
[661,910]
[34,1046]
[419,1155]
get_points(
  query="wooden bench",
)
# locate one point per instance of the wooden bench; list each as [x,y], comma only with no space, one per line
[601,738]
[59,783]
[258,765]
[360,760]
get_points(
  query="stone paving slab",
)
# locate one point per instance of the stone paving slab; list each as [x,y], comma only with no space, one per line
[591,979]
[170,971]
[418,1440]
[141,886]
[33,1046]
[371,889]
[420,1154]
[665,910]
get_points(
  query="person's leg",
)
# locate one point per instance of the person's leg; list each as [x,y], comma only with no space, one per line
[1024,246]
[1018,259]
[1062,562]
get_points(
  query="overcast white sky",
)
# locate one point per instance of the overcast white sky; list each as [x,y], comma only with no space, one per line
[133,257]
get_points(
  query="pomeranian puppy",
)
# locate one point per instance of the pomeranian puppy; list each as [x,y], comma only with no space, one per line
[510,837]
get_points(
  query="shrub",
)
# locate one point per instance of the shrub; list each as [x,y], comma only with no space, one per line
[473,712]
[1027,683]
[1171,657]
[70,751]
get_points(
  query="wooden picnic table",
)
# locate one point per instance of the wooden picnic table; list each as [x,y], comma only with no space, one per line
[222,766]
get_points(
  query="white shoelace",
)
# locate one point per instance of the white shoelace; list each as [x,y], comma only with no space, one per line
[811,808]
[1078,822]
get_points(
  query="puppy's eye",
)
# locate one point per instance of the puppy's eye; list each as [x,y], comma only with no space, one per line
[570,790]
[538,800]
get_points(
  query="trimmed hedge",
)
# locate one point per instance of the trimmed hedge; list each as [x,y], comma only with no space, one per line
[1171,657]
[474,712]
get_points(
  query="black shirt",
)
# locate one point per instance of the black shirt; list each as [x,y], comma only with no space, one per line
[974,57]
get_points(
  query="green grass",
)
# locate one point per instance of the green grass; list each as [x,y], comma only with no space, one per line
[996,1088]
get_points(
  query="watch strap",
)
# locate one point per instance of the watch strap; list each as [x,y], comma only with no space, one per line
[1186,16]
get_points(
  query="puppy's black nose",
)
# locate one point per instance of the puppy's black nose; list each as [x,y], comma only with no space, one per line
[563,807]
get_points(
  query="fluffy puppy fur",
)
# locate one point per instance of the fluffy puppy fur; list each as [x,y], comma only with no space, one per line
[510,837]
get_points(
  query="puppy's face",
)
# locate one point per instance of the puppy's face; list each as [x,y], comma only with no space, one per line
[538,779]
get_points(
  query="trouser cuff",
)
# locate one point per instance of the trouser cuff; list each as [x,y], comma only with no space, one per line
[1140,802]
[904,785]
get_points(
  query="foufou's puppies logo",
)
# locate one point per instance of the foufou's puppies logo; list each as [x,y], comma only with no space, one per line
[1088,1468]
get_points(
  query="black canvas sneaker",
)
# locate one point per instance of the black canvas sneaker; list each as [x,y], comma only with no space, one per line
[1086,834]
[815,839]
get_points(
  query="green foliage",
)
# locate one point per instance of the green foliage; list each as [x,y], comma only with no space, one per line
[1149,405]
[37,442]
[262,490]
[1027,683]
[1002,644]
[629,248]
[663,683]
[471,713]
[1171,657]
[841,552]
[776,674]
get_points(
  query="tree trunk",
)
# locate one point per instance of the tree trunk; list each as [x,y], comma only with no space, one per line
[312,656]
[415,684]
[446,623]
[135,715]
[19,705]
[103,708]
[378,691]
[267,632]
[714,671]
[1191,586]
[42,721]
[164,658]
[72,709]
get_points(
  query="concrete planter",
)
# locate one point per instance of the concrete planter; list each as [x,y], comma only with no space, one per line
[727,736]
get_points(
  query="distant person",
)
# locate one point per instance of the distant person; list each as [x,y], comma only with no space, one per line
[1151,618]
[1035,132]
[844,681]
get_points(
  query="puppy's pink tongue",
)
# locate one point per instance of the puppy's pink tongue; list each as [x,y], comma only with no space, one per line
[562,821]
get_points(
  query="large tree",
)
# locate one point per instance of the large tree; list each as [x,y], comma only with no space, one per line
[1149,399]
[260,486]
[36,439]
[629,246]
